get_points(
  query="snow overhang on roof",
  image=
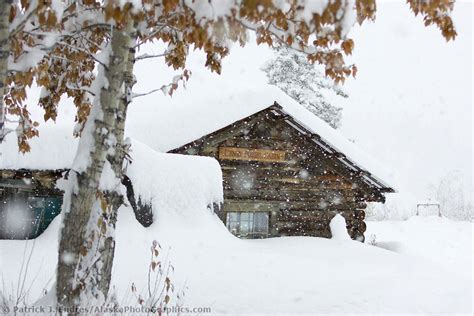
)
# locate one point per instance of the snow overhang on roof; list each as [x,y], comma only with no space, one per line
[334,143]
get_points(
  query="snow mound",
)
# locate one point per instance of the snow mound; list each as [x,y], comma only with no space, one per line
[338,228]
[174,183]
[167,181]
[272,276]
[428,237]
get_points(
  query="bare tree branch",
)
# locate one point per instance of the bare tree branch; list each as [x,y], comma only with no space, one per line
[146,56]
[137,95]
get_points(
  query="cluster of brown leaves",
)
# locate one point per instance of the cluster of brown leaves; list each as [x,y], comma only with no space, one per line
[436,12]
[322,38]
[173,22]
[39,19]
[68,68]
[65,69]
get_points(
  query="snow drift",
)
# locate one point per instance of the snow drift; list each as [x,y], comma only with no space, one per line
[171,182]
[279,275]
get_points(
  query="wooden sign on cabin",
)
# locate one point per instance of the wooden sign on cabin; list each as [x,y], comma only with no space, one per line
[285,174]
[250,154]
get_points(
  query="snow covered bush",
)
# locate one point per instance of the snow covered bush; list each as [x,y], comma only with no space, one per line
[291,71]
[372,240]
[396,207]
[450,193]
[160,295]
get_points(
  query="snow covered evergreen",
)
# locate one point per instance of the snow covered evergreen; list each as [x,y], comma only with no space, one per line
[291,71]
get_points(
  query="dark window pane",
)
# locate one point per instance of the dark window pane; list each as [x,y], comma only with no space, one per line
[245,227]
[246,216]
[261,222]
[233,223]
[232,216]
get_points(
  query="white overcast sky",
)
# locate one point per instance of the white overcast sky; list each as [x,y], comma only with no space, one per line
[413,95]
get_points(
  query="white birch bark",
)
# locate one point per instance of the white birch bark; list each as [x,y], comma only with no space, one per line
[82,241]
[116,160]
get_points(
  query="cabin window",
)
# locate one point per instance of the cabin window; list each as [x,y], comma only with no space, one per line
[248,224]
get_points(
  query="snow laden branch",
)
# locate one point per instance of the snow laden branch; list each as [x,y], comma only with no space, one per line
[29,30]
[167,89]
[148,56]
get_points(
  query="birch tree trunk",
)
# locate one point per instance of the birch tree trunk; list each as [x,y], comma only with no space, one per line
[87,215]
[4,53]
[116,160]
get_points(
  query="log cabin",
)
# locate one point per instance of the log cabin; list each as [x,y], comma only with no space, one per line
[287,173]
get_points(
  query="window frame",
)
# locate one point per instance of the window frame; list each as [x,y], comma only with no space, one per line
[234,224]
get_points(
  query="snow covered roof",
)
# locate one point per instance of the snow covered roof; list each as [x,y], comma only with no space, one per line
[174,182]
[325,137]
[166,181]
[333,141]
[55,148]
[160,185]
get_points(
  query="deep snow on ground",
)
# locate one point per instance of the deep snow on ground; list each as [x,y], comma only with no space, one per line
[444,242]
[282,275]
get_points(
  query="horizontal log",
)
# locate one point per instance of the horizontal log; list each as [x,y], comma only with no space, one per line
[318,199]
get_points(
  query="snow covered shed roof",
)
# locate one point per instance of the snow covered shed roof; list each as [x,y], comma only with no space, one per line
[327,138]
[165,181]
[55,148]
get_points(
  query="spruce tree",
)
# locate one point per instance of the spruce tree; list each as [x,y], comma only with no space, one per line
[291,71]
